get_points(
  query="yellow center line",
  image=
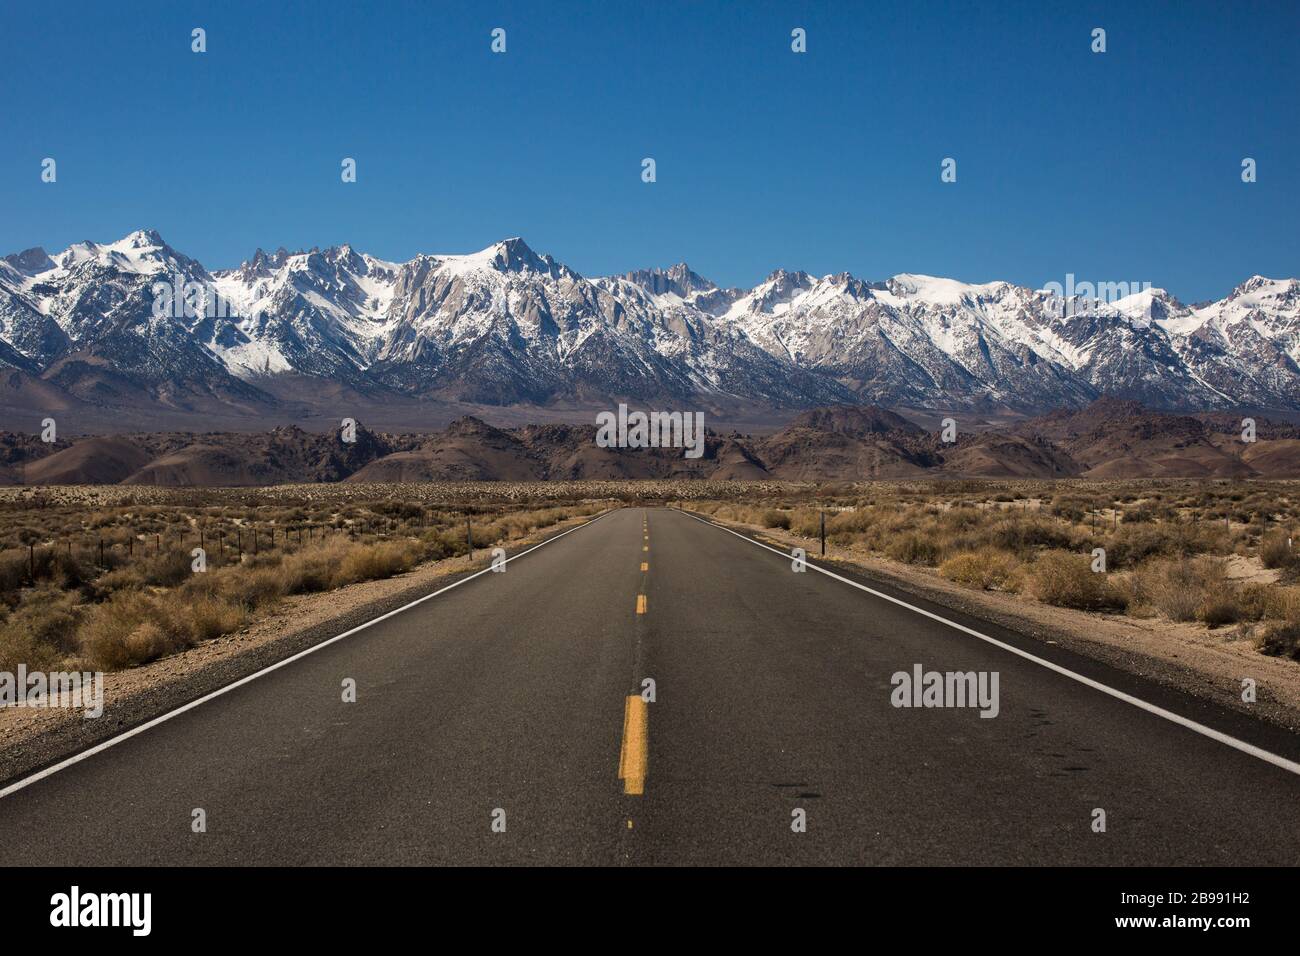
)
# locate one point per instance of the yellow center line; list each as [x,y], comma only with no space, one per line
[640,603]
[632,757]
[646,548]
[645,566]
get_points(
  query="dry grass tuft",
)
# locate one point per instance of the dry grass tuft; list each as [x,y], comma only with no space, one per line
[1067,580]
[986,569]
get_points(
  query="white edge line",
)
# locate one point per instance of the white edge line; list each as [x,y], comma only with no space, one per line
[1247,748]
[113,741]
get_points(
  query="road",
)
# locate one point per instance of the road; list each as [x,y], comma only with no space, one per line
[772,694]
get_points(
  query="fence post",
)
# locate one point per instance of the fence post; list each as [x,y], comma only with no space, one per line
[823,523]
[469,538]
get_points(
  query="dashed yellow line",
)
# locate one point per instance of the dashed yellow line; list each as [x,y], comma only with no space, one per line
[633,756]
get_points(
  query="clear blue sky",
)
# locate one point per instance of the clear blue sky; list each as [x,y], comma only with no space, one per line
[1116,166]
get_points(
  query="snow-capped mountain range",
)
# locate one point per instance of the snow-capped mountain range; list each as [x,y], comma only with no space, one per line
[508,326]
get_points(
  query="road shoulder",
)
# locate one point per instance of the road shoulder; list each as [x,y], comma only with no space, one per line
[37,738]
[1205,663]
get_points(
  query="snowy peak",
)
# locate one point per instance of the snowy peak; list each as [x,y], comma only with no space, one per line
[506,325]
[320,312]
[515,255]
[679,286]
[262,265]
[848,284]
[344,257]
[676,280]
[1267,304]
[143,252]
[1145,307]
[30,262]
[1259,288]
[776,293]
[933,290]
[1270,301]
[144,239]
[509,257]
[788,278]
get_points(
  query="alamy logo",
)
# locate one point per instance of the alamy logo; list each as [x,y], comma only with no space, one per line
[103,909]
[1083,298]
[654,430]
[53,689]
[922,688]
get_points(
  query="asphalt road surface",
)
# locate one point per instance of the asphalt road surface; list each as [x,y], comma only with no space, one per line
[502,722]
